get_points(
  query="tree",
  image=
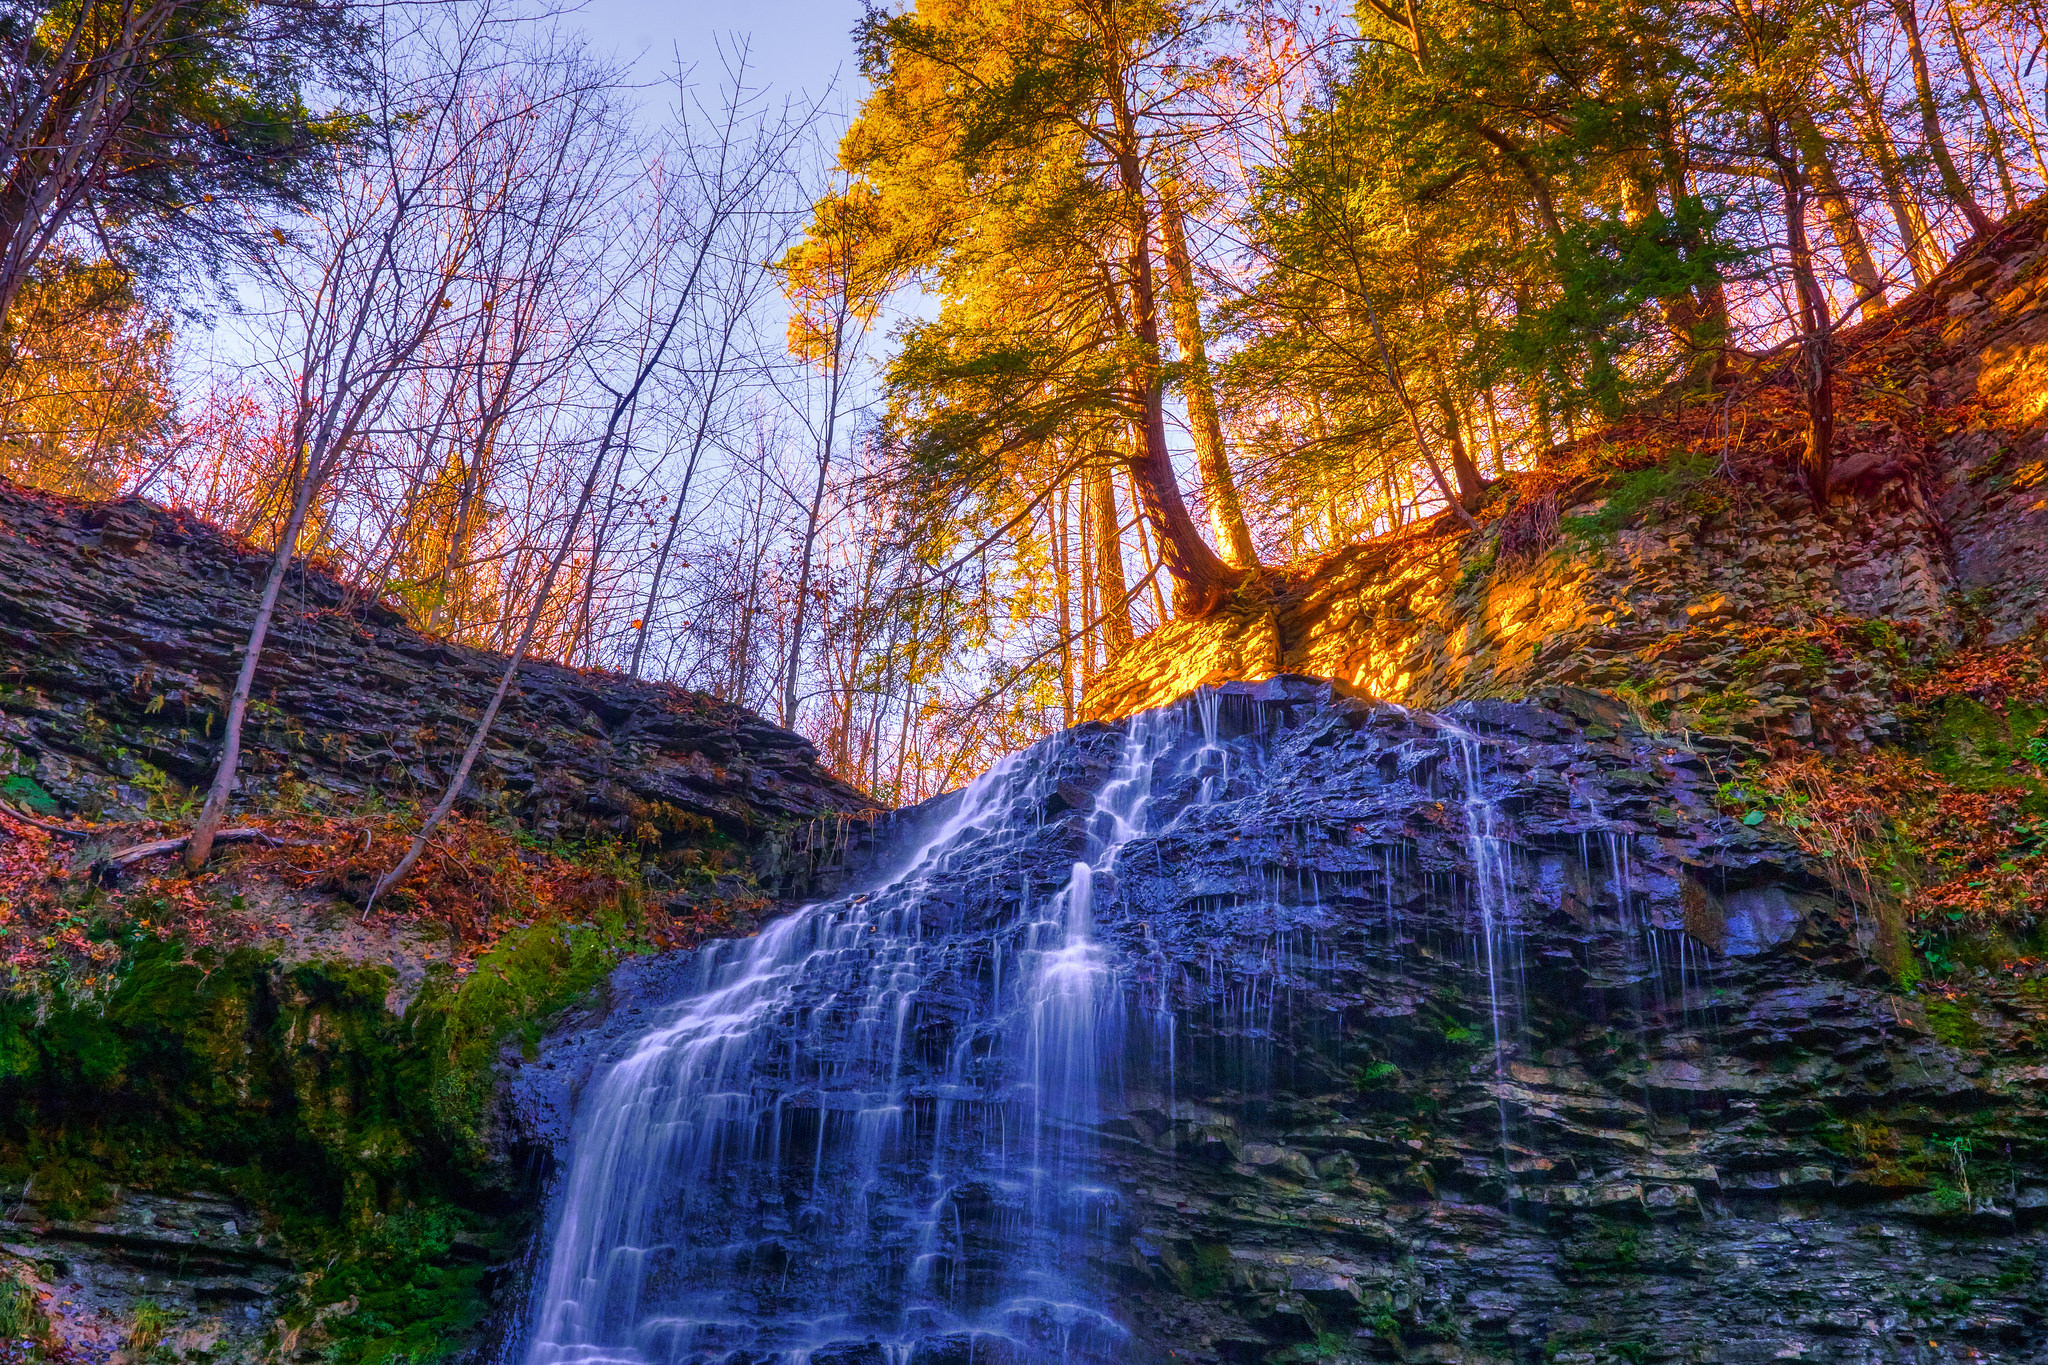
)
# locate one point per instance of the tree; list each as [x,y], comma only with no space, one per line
[86,397]
[158,130]
[1005,147]
[366,288]
[723,185]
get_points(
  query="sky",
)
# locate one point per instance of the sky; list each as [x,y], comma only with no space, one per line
[797,45]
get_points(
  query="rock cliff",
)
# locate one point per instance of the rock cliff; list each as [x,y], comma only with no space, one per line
[121,627]
[239,1119]
[1481,1037]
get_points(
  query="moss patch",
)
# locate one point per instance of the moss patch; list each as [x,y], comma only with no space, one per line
[359,1134]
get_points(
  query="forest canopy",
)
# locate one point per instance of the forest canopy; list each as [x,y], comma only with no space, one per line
[899,426]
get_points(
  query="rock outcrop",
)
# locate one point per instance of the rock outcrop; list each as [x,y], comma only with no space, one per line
[1478,1038]
[121,627]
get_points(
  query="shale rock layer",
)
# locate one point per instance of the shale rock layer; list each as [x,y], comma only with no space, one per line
[121,628]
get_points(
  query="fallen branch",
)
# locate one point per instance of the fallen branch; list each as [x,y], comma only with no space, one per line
[16,813]
[111,866]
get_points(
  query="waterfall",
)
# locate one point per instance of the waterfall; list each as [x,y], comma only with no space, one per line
[871,1125]
[915,1125]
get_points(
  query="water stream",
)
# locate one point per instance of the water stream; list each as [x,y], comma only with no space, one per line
[874,1133]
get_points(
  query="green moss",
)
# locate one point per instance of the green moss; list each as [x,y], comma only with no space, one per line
[1378,1076]
[1685,483]
[1954,1024]
[1210,1270]
[22,790]
[358,1133]
[1478,566]
[1981,747]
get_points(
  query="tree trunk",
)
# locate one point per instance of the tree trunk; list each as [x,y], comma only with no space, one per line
[1471,485]
[1226,515]
[1703,321]
[1152,569]
[675,516]
[1063,587]
[211,815]
[1400,389]
[1915,233]
[1841,216]
[803,577]
[1994,141]
[1201,579]
[1086,559]
[1952,182]
[1110,587]
[1816,360]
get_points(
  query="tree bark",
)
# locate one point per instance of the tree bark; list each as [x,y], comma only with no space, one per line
[1063,587]
[1816,359]
[1226,514]
[1952,182]
[1994,141]
[199,843]
[1400,389]
[1841,216]
[1201,579]
[1471,483]
[1110,586]
[1915,233]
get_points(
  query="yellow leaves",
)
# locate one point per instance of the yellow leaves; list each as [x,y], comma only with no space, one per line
[837,277]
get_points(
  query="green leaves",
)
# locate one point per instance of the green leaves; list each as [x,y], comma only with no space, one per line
[1598,338]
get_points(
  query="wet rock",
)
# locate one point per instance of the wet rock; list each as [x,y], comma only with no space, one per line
[1612,1074]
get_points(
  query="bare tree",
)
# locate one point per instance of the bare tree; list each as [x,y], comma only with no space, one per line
[723,183]
[364,286]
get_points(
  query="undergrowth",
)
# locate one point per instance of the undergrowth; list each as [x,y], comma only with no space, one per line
[1946,845]
[152,1036]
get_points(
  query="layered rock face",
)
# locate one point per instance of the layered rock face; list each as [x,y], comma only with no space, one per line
[121,628]
[1939,530]
[1285,1026]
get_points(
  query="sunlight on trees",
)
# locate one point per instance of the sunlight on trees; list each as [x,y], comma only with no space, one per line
[901,430]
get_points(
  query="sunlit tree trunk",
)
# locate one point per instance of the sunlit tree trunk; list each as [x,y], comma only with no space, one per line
[1226,515]
[1841,216]
[1063,586]
[1201,579]
[1916,235]
[1952,182]
[1994,141]
[1470,483]
[1110,587]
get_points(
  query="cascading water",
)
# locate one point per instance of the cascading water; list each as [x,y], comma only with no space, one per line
[870,1124]
[926,1123]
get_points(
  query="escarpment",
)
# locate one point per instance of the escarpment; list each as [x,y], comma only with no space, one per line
[1283,1026]
[241,1118]
[121,627]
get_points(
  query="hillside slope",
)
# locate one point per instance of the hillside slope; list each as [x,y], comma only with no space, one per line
[1660,560]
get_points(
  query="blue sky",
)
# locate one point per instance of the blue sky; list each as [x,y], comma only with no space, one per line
[796,44]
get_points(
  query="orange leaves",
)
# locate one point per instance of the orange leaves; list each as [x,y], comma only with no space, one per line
[1992,674]
[1889,826]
